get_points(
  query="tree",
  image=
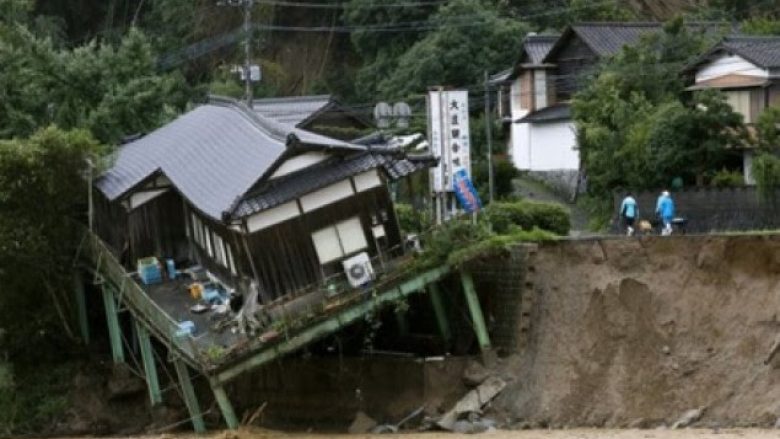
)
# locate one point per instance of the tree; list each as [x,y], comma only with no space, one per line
[42,196]
[556,14]
[637,128]
[111,90]
[379,51]
[469,37]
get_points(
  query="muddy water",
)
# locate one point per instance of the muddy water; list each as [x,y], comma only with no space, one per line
[525,434]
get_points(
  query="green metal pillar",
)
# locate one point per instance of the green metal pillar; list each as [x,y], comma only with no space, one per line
[441,312]
[190,399]
[114,330]
[402,320]
[475,310]
[150,368]
[225,406]
[81,306]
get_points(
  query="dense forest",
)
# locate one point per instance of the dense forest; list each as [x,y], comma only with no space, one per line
[78,75]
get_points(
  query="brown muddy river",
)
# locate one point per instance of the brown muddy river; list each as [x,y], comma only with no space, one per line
[524,434]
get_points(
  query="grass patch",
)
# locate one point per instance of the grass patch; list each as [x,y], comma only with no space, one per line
[497,244]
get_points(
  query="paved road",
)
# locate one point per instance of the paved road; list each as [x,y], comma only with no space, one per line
[533,190]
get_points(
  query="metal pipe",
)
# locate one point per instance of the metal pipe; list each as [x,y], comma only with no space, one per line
[489,135]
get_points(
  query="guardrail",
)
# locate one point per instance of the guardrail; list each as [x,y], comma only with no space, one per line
[105,264]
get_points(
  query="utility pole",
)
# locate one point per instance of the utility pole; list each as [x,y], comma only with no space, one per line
[247,50]
[489,135]
[247,5]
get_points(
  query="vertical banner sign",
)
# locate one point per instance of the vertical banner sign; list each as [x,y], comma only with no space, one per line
[448,127]
[465,192]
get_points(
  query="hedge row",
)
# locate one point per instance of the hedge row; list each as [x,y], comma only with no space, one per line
[527,215]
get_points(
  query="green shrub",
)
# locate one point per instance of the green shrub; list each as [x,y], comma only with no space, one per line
[766,171]
[452,235]
[497,243]
[412,220]
[528,215]
[726,178]
[503,174]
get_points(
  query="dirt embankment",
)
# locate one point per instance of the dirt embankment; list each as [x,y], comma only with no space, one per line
[637,332]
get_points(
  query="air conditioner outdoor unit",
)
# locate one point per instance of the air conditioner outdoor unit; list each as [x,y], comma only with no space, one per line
[358,269]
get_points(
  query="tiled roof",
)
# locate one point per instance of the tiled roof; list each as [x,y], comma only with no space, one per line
[499,77]
[552,113]
[762,51]
[535,49]
[608,38]
[291,110]
[212,155]
[538,46]
[287,188]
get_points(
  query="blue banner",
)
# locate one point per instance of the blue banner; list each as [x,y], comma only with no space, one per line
[465,192]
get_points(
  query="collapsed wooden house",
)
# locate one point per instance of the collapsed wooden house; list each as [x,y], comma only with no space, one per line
[250,198]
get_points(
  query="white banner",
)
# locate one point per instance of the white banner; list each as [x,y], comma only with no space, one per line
[448,129]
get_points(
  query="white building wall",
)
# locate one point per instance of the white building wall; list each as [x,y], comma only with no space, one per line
[520,152]
[540,89]
[299,162]
[729,65]
[514,99]
[552,146]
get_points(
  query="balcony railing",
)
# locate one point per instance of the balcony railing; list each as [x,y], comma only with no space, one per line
[129,293]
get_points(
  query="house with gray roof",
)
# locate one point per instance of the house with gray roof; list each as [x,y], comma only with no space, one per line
[535,96]
[540,132]
[321,114]
[747,70]
[249,197]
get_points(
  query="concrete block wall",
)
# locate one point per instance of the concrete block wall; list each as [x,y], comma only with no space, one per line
[506,293]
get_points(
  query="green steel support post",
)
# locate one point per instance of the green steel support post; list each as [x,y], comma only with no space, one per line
[402,320]
[441,312]
[81,306]
[114,330]
[190,399]
[150,369]
[475,310]
[333,323]
[224,405]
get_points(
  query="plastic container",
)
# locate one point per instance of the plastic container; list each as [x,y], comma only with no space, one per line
[212,296]
[196,290]
[170,267]
[186,328]
[149,270]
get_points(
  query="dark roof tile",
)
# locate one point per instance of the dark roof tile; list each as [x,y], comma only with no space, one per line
[291,110]
[538,46]
[762,51]
[288,188]
[552,113]
[212,155]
